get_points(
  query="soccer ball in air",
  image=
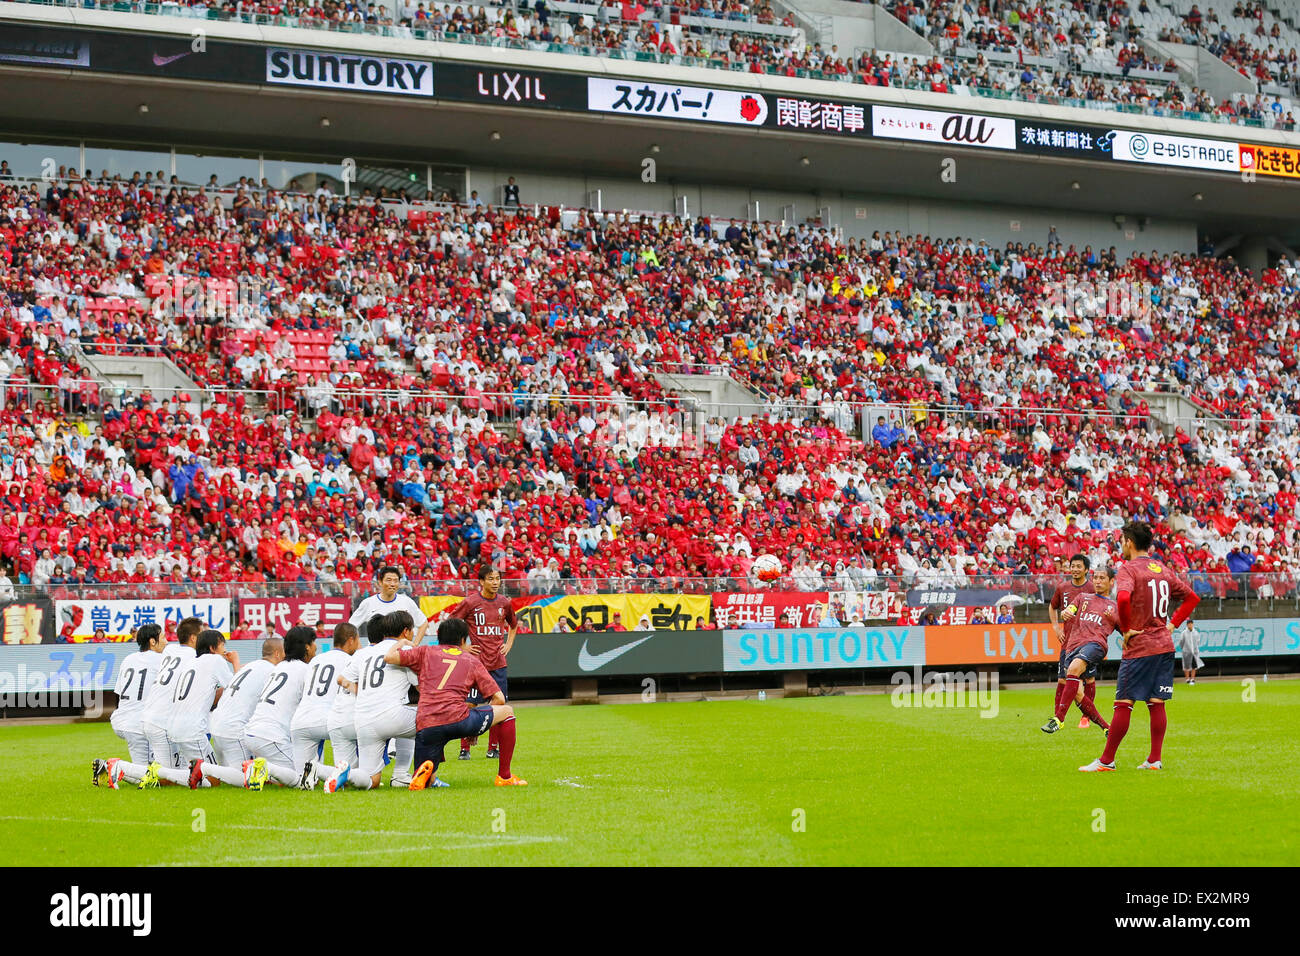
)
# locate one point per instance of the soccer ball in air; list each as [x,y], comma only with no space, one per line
[767,567]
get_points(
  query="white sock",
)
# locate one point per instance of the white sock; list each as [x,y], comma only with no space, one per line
[403,754]
[359,780]
[324,771]
[230,775]
[284,776]
[179,777]
[132,772]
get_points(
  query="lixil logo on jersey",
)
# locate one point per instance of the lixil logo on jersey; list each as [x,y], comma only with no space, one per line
[75,909]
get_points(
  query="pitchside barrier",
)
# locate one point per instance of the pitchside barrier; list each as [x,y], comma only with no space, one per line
[56,676]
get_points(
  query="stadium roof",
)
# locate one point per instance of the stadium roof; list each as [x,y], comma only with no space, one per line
[98,100]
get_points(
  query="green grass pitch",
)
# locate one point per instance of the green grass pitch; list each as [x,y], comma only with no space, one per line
[723,783]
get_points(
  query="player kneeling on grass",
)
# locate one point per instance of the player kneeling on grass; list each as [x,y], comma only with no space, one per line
[267,735]
[194,691]
[1147,592]
[447,672]
[1094,617]
[238,702]
[310,727]
[134,683]
[383,709]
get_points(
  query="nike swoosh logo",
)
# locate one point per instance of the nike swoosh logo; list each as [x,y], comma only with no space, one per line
[164,60]
[590,662]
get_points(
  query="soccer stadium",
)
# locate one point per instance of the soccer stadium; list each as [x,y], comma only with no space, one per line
[877,413]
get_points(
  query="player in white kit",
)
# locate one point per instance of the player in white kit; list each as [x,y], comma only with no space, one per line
[310,726]
[341,722]
[267,734]
[383,707]
[237,704]
[153,719]
[196,690]
[387,601]
[134,683]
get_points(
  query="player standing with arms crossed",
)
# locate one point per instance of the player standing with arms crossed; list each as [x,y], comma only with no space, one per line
[1095,616]
[1065,595]
[492,628]
[1147,592]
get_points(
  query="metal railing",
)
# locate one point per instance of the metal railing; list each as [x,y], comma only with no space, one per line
[78,399]
[513,406]
[1262,594]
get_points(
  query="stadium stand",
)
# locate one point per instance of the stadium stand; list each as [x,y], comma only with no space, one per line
[1063,52]
[442,384]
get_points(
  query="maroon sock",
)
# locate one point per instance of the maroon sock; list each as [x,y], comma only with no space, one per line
[1066,697]
[466,742]
[507,737]
[1159,721]
[1090,711]
[1060,689]
[494,737]
[1118,728]
[1090,690]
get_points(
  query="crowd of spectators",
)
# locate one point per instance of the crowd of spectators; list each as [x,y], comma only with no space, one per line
[1010,374]
[1094,46]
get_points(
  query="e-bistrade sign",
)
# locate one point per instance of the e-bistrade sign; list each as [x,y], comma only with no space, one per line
[778,649]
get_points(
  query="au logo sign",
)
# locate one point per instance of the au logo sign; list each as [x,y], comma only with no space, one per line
[965,129]
[954,129]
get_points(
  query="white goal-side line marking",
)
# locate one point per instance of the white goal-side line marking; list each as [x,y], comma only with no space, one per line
[453,835]
[481,844]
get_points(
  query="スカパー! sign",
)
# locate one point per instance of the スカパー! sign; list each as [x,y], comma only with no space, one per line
[670,101]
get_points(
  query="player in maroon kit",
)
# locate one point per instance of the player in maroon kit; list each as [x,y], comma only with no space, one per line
[1065,595]
[492,628]
[1148,592]
[1094,617]
[447,672]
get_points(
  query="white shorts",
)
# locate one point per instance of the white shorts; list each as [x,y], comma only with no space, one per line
[137,744]
[277,752]
[164,751]
[306,743]
[373,736]
[343,740]
[194,748]
[230,751]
